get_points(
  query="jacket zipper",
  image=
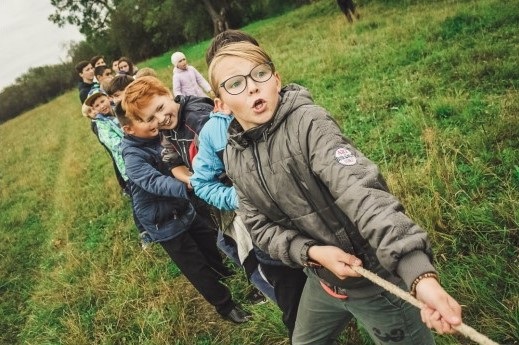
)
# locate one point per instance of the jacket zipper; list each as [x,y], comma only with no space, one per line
[182,150]
[255,151]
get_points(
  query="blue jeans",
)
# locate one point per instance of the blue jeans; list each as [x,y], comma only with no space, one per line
[256,278]
[387,318]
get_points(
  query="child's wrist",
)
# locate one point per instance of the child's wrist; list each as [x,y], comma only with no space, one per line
[418,279]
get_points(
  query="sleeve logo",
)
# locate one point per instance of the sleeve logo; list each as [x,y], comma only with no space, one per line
[345,156]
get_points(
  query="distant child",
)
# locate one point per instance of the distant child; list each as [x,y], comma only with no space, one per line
[106,127]
[126,66]
[115,66]
[115,89]
[86,73]
[103,73]
[163,207]
[109,133]
[98,60]
[187,81]
[310,198]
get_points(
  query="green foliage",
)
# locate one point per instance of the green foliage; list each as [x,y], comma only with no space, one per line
[428,90]
[38,85]
[133,28]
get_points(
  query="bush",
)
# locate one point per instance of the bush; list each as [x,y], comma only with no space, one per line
[39,85]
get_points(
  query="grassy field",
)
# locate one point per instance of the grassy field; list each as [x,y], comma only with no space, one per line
[428,89]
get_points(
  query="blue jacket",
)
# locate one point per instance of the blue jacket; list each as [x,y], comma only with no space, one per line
[160,201]
[208,164]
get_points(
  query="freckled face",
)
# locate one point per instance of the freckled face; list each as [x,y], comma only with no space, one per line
[165,109]
[254,106]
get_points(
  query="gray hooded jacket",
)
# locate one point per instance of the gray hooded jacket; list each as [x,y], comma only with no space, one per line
[301,182]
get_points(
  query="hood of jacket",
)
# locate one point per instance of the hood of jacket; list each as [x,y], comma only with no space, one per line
[190,109]
[218,114]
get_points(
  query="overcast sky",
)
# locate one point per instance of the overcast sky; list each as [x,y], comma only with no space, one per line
[29,39]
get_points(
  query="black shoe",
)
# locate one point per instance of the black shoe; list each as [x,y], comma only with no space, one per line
[256,297]
[237,315]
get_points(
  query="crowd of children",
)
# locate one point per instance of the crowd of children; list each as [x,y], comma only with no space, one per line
[244,166]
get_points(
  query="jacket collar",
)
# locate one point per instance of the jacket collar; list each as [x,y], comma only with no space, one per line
[137,141]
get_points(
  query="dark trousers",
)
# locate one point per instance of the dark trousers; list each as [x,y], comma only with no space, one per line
[196,255]
[348,8]
[288,285]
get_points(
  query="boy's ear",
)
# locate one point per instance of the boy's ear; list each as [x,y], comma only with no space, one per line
[278,81]
[127,129]
[220,106]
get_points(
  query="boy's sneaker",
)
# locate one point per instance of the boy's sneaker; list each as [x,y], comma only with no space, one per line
[238,315]
[256,297]
[146,240]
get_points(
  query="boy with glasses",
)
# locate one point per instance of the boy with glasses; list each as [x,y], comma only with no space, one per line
[311,199]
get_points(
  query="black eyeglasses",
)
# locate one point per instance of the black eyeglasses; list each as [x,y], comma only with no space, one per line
[260,74]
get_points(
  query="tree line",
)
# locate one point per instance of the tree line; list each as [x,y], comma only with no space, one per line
[139,29]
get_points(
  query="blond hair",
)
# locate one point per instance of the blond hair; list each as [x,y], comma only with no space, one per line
[145,72]
[244,50]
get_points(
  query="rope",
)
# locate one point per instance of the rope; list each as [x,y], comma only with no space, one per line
[465,330]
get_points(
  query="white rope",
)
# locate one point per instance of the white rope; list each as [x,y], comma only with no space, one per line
[465,330]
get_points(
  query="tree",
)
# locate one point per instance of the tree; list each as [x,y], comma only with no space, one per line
[91,16]
[143,28]
[219,18]
[94,17]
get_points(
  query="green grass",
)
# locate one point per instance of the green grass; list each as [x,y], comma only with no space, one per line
[428,90]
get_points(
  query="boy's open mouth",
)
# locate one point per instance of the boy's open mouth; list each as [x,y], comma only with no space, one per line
[259,105]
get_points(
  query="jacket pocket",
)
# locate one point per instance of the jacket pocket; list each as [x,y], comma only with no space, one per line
[170,208]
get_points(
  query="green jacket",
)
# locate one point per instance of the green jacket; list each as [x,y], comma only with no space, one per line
[300,181]
[110,134]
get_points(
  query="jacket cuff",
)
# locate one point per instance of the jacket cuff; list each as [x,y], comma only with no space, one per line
[413,265]
[298,249]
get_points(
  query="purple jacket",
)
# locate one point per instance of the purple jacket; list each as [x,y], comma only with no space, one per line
[189,82]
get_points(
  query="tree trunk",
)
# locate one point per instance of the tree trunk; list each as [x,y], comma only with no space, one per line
[219,19]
